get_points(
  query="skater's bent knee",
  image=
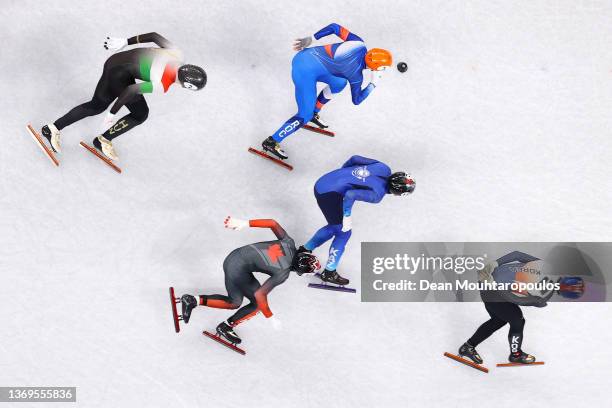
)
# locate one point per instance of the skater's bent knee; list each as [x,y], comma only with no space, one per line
[141,116]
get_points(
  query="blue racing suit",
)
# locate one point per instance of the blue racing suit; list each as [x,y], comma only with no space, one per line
[359,179]
[334,64]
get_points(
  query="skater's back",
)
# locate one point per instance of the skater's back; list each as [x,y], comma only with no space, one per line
[357,173]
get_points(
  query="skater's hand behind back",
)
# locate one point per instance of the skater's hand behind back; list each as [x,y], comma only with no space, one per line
[235,223]
[108,122]
[300,43]
[377,76]
[114,43]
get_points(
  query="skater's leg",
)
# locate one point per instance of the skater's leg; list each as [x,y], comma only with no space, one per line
[514,316]
[139,111]
[334,85]
[219,301]
[336,250]
[232,268]
[331,207]
[248,288]
[305,69]
[101,99]
[320,237]
[489,327]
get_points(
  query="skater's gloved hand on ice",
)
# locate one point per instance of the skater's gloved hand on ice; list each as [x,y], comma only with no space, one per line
[114,43]
[108,122]
[377,76]
[486,273]
[276,323]
[235,223]
[300,43]
[346,223]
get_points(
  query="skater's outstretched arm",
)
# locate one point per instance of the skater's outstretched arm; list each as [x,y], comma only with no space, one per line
[516,256]
[262,293]
[345,35]
[273,225]
[236,224]
[357,160]
[155,38]
[342,32]
[118,43]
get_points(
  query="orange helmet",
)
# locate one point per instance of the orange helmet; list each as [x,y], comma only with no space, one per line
[377,57]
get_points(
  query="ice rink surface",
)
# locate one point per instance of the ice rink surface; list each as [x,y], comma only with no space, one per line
[503,118]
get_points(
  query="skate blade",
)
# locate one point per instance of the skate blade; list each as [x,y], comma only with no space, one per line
[331,287]
[319,130]
[175,316]
[40,142]
[227,344]
[467,362]
[272,159]
[100,156]
[520,364]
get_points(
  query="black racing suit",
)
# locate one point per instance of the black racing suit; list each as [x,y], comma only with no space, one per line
[505,308]
[273,258]
[118,81]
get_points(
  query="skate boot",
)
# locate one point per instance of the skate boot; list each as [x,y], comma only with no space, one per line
[227,331]
[106,147]
[51,133]
[333,277]
[521,357]
[316,119]
[188,303]
[469,351]
[272,146]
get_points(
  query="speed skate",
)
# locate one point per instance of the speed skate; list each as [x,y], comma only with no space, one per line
[319,130]
[330,286]
[520,364]
[269,157]
[467,362]
[43,146]
[100,156]
[224,342]
[176,318]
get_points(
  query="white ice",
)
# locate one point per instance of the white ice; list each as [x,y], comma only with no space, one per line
[503,118]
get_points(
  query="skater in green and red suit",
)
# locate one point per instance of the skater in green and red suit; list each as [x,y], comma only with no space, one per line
[126,77]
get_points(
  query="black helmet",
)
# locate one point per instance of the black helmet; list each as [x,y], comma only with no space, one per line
[401,184]
[193,75]
[305,262]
